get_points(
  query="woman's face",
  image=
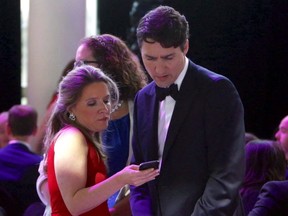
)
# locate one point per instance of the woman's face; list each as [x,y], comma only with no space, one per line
[93,108]
[85,54]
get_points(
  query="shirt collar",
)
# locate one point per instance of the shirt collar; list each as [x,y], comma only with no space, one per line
[181,76]
[21,142]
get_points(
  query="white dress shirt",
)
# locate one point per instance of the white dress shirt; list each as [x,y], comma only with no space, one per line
[166,108]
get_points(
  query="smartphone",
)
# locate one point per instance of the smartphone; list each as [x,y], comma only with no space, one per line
[149,164]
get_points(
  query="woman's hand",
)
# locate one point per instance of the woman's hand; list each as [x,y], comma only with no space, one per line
[133,176]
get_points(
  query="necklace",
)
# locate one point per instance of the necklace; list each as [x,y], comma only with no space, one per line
[117,106]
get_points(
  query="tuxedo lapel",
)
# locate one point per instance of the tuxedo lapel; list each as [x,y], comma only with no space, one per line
[186,96]
[150,116]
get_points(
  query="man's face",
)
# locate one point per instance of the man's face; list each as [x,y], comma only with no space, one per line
[163,64]
[282,135]
[4,139]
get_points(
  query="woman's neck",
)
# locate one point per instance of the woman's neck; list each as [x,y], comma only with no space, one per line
[122,110]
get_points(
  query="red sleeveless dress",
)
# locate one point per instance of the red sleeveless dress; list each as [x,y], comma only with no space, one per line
[96,172]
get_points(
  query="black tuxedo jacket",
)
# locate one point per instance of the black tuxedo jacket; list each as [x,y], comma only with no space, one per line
[203,159]
[272,200]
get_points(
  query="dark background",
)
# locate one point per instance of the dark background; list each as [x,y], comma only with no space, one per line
[247,41]
[10,54]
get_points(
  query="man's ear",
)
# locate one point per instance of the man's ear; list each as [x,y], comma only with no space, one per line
[35,131]
[7,129]
[186,47]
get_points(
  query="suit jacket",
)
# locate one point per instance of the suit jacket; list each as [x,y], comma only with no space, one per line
[18,174]
[272,200]
[203,158]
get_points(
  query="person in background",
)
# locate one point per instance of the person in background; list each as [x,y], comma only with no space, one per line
[18,164]
[189,118]
[272,200]
[250,137]
[77,176]
[282,137]
[265,161]
[3,135]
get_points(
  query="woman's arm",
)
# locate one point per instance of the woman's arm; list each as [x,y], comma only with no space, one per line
[42,184]
[71,171]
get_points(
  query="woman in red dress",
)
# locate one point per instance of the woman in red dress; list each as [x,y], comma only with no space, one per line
[75,160]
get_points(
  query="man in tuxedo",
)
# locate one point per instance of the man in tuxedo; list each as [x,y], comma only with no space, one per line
[18,164]
[272,200]
[189,118]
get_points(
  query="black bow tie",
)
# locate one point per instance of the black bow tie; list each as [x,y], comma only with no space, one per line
[161,93]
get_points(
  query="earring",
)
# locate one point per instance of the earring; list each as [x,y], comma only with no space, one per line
[72,117]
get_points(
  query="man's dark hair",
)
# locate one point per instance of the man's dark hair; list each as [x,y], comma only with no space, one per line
[22,120]
[164,25]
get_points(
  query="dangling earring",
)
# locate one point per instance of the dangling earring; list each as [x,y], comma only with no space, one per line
[72,117]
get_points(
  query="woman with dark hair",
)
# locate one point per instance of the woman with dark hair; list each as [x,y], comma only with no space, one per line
[265,161]
[77,178]
[112,55]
